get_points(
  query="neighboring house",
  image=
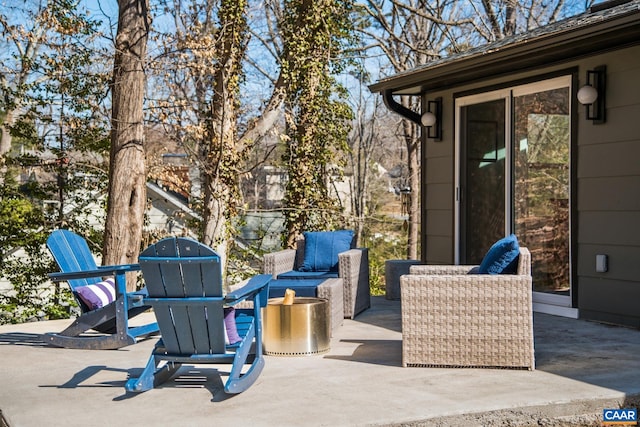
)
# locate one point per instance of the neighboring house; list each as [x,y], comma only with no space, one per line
[513,150]
[169,213]
[266,188]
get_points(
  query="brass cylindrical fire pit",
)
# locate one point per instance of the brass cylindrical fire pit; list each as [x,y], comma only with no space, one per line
[300,329]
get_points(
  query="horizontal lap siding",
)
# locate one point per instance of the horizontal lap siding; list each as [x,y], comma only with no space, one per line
[608,197]
[438,180]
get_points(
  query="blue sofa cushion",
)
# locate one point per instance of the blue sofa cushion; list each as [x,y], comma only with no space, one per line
[321,249]
[303,287]
[502,257]
[295,274]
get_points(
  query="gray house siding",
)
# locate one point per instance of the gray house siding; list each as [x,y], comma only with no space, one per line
[438,189]
[609,196]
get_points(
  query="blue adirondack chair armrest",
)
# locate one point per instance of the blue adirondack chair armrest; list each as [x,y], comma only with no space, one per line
[118,271]
[257,284]
[107,270]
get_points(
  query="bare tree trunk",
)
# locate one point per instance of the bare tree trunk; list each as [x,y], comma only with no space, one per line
[224,154]
[362,185]
[5,143]
[412,141]
[272,111]
[219,180]
[364,141]
[510,18]
[127,173]
[215,231]
[413,236]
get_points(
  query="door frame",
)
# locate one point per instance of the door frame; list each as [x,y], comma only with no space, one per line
[560,305]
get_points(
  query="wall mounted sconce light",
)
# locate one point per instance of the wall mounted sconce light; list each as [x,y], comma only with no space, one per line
[592,94]
[432,119]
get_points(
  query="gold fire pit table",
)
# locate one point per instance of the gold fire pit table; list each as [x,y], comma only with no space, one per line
[300,329]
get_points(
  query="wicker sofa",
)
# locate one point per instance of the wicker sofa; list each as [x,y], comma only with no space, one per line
[353,269]
[451,318]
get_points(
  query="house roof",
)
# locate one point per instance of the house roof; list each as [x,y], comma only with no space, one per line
[605,26]
[155,192]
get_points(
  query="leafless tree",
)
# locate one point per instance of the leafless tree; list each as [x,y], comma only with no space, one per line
[198,99]
[410,33]
[365,142]
[127,174]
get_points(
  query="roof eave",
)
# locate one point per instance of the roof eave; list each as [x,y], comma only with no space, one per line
[533,53]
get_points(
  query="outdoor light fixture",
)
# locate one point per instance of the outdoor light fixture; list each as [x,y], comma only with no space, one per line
[592,94]
[432,119]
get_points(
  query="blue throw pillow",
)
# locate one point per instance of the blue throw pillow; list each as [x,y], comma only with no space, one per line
[502,257]
[321,249]
[474,270]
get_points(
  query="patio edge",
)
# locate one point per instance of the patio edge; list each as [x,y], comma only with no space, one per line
[580,413]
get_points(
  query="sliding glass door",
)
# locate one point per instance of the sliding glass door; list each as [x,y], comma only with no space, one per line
[513,176]
[541,177]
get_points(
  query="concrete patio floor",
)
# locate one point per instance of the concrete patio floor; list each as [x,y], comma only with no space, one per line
[581,368]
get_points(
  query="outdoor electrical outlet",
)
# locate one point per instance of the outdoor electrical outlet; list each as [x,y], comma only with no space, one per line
[602,263]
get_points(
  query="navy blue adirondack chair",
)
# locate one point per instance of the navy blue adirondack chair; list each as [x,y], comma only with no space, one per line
[184,281]
[78,268]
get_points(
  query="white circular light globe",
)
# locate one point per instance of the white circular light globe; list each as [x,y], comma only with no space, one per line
[428,119]
[587,95]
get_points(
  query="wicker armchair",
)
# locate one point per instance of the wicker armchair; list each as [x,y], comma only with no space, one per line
[451,318]
[353,269]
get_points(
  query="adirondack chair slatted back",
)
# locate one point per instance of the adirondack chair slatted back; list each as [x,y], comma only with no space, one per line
[184,281]
[72,254]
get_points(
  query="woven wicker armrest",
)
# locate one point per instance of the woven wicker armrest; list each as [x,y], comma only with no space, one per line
[279,262]
[350,263]
[354,271]
[333,291]
[440,269]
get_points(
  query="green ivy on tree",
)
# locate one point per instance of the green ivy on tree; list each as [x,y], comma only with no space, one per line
[315,34]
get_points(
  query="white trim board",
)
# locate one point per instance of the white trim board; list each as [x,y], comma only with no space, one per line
[555,310]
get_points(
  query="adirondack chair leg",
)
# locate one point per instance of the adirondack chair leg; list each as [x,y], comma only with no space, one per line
[165,373]
[237,382]
[152,376]
[145,381]
[122,323]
